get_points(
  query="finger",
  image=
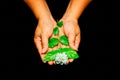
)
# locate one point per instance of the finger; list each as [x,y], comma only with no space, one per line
[55,48]
[71,60]
[50,62]
[44,43]
[77,41]
[54,62]
[38,44]
[71,38]
[67,62]
[63,46]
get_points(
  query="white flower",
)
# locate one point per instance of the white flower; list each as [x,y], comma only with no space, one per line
[61,58]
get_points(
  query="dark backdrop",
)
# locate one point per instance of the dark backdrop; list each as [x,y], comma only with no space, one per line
[97,49]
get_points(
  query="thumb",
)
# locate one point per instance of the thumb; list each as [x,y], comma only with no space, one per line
[71,38]
[44,43]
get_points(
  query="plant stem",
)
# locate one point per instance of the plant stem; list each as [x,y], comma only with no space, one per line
[59,37]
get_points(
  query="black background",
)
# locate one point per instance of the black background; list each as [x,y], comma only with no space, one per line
[98,49]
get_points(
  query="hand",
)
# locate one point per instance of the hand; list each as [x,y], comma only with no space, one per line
[72,31]
[43,32]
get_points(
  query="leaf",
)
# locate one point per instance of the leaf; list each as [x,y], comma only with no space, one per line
[56,31]
[53,42]
[64,40]
[70,53]
[50,56]
[60,23]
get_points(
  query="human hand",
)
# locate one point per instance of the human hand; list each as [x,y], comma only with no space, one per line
[43,32]
[55,56]
[72,31]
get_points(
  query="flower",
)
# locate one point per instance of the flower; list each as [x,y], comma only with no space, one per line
[61,58]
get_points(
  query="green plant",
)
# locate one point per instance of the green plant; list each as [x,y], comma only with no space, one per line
[57,55]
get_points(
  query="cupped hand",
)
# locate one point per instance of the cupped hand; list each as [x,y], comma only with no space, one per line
[72,31]
[43,32]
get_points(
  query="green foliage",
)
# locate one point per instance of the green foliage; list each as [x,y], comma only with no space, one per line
[50,56]
[64,40]
[70,53]
[56,31]
[53,42]
[60,24]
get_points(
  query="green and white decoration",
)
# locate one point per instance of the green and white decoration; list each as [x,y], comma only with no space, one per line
[60,55]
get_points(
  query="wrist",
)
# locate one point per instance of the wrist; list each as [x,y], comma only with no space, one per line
[45,18]
[70,19]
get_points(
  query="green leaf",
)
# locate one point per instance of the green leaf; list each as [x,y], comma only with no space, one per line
[60,23]
[70,53]
[53,42]
[50,56]
[56,31]
[64,40]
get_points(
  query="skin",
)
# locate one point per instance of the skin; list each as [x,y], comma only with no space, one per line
[46,23]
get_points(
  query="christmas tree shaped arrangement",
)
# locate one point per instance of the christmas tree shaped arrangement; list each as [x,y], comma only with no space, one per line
[60,55]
